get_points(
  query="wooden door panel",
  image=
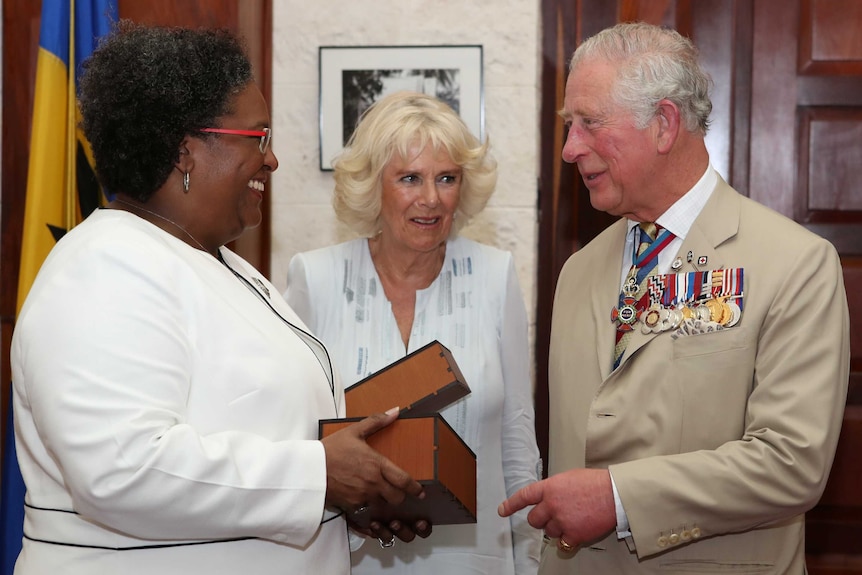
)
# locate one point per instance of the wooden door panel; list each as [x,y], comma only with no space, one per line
[192,13]
[853,286]
[829,39]
[773,105]
[829,179]
[828,198]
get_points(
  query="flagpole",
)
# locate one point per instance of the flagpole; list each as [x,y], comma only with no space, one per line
[69,207]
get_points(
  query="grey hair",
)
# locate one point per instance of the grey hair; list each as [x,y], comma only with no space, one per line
[654,64]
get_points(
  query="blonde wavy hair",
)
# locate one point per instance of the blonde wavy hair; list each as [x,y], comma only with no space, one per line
[392,125]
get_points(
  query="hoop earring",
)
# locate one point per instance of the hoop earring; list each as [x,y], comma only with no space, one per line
[186,183]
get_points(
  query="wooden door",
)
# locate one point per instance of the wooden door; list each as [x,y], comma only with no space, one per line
[250,18]
[806,162]
[787,131]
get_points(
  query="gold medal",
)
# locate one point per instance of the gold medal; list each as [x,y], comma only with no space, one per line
[715,310]
[726,313]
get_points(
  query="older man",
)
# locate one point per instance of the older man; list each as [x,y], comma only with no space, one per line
[699,347]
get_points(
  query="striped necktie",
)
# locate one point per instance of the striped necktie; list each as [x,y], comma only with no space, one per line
[633,297]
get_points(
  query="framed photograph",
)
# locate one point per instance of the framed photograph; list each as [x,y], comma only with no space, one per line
[354,77]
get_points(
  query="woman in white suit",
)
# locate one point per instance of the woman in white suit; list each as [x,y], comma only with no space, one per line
[166,397]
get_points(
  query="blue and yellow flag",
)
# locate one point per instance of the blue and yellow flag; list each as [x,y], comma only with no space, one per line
[61,187]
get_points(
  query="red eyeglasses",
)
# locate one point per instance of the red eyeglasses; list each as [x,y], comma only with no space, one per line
[265,135]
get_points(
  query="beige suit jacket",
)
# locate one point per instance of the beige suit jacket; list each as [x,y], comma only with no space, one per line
[719,442]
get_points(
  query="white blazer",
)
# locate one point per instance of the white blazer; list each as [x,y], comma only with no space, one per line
[161,402]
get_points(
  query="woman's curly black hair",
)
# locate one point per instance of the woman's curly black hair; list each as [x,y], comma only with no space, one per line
[145,88]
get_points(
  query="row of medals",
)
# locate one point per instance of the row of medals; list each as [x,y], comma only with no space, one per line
[715,311]
[720,311]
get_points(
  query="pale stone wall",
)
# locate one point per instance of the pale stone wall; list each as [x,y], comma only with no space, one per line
[508,30]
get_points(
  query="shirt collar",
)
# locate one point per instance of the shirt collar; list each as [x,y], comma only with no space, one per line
[681,215]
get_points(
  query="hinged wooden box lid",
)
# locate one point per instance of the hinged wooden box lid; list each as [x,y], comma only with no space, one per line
[421,383]
[431,452]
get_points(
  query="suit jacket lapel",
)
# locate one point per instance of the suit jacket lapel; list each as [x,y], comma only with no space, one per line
[716,223]
[605,296]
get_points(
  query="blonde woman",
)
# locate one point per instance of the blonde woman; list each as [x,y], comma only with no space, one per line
[410,177]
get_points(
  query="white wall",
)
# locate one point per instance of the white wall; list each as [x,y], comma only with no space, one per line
[508,30]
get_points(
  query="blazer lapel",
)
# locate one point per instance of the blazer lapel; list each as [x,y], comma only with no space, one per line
[716,223]
[606,294]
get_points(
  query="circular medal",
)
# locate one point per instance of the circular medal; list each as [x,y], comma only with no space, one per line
[735,314]
[652,318]
[675,319]
[715,310]
[666,321]
[687,312]
[651,321]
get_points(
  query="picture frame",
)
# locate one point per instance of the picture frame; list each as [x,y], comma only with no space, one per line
[354,77]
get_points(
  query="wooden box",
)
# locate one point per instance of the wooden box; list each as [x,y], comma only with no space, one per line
[423,382]
[429,450]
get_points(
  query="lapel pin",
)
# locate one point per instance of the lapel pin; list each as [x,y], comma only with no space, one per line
[677,263]
[701,260]
[689,256]
[260,286]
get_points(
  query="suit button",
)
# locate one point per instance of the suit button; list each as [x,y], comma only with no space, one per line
[695,533]
[662,542]
[674,538]
[685,535]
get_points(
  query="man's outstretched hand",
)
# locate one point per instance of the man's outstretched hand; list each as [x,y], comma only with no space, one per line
[576,506]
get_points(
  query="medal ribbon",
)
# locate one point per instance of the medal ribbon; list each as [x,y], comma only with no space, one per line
[642,261]
[653,239]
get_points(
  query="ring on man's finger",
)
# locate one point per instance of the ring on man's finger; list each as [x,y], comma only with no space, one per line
[565,547]
[386,544]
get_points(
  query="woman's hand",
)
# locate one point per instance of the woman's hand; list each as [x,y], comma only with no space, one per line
[356,474]
[387,532]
